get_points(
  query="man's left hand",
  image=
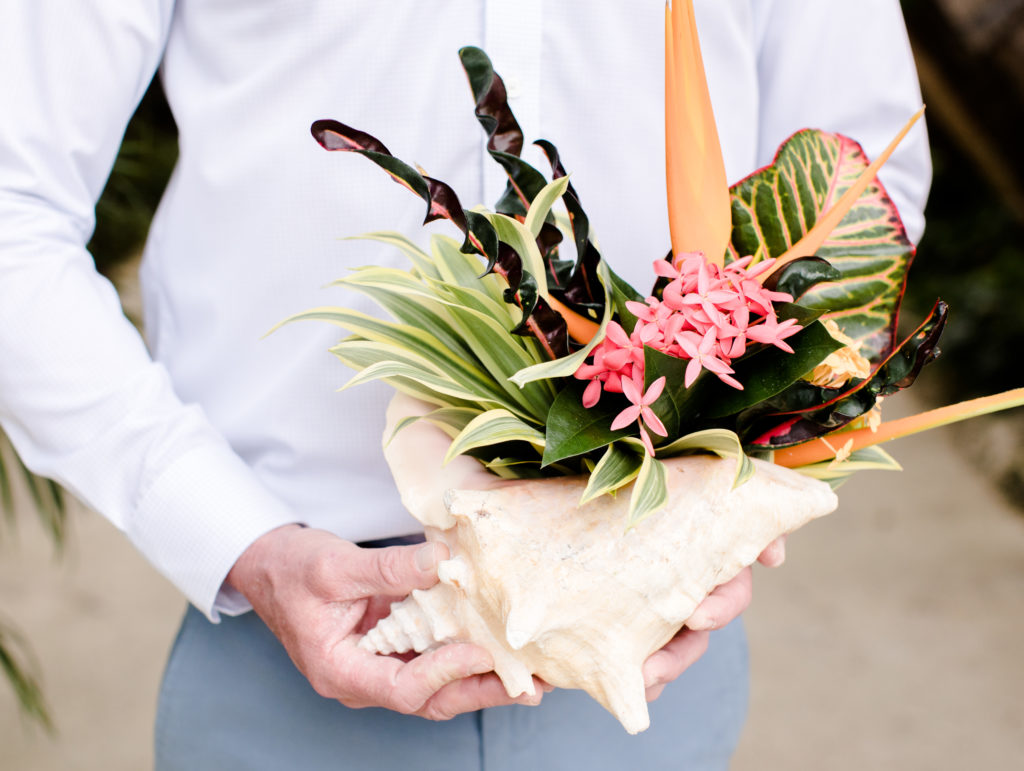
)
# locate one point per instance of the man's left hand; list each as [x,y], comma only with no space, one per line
[720,607]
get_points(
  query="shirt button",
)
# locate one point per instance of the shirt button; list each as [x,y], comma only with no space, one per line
[513,87]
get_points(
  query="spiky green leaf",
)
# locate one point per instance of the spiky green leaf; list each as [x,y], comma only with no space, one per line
[721,442]
[493,427]
[618,467]
[650,491]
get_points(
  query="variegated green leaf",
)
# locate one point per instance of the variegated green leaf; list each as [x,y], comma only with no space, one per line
[451,420]
[413,341]
[465,270]
[837,472]
[721,442]
[358,353]
[617,467]
[420,259]
[650,491]
[540,207]
[493,427]
[503,356]
[514,468]
[778,204]
[409,302]
[516,235]
[467,297]
[411,369]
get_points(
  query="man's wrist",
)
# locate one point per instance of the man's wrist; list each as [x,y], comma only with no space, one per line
[250,570]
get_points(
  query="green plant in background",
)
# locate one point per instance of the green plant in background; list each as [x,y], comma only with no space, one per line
[47,499]
[138,179]
[973,248]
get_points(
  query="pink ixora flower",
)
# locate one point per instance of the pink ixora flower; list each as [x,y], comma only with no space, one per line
[703,353]
[640,409]
[707,315]
[771,332]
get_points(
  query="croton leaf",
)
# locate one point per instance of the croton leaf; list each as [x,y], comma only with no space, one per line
[776,205]
[442,202]
[492,108]
[583,289]
[805,411]
[504,137]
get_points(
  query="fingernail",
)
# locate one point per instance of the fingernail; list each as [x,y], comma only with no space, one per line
[700,622]
[427,558]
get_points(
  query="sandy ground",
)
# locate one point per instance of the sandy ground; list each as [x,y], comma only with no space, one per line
[891,639]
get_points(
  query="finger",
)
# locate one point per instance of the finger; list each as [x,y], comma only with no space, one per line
[368,680]
[676,657]
[473,693]
[774,554]
[395,570]
[724,603]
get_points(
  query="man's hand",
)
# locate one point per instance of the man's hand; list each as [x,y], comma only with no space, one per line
[719,608]
[319,594]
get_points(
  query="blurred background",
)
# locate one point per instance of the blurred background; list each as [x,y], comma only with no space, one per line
[890,639]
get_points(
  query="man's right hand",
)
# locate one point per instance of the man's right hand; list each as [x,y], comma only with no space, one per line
[319,594]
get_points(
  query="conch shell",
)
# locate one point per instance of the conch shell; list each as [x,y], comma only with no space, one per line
[566,593]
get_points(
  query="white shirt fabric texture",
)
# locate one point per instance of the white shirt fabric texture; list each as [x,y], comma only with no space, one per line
[209,435]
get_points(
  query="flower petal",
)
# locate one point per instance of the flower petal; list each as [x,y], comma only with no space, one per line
[653,421]
[624,418]
[654,391]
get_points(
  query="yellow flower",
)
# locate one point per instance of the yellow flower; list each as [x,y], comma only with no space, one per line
[839,366]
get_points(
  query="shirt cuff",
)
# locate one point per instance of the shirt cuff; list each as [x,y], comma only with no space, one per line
[198,517]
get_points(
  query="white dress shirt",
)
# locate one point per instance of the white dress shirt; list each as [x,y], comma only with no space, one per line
[213,435]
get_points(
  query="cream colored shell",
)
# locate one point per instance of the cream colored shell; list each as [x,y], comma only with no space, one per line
[565,593]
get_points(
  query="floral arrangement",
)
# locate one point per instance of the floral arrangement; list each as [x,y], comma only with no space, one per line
[770,329]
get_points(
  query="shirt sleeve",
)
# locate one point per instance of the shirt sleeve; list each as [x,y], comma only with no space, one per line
[845,66]
[80,397]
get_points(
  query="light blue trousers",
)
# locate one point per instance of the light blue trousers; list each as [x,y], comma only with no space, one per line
[232,699]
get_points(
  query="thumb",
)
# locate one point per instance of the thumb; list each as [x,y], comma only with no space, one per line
[397,570]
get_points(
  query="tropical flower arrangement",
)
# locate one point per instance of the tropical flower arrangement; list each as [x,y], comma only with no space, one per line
[769,330]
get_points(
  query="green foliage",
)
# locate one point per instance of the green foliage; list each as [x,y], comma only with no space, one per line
[22,672]
[141,170]
[48,502]
[972,255]
[867,459]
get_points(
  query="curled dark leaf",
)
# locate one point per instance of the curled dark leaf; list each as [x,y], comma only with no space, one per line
[800,275]
[805,411]
[492,110]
